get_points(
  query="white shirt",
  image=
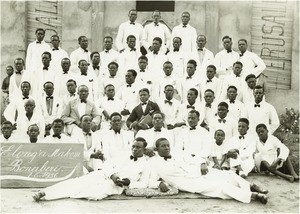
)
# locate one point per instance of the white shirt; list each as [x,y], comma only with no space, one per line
[235,109]
[128,59]
[252,64]
[230,127]
[34,55]
[111,106]
[56,57]
[90,82]
[126,29]
[237,81]
[265,114]
[55,110]
[215,84]
[188,36]
[179,60]
[155,63]
[106,57]
[217,151]
[116,81]
[60,83]
[76,56]
[64,139]
[171,111]
[247,94]
[11,139]
[208,113]
[169,80]
[15,83]
[67,98]
[81,108]
[151,31]
[190,82]
[203,58]
[184,110]
[150,135]
[42,76]
[223,61]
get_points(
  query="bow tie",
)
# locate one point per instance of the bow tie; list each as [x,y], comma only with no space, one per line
[256,105]
[228,51]
[117,131]
[192,107]
[156,24]
[106,51]
[176,50]
[157,130]
[45,68]
[25,97]
[242,137]
[231,101]
[155,52]
[188,77]
[208,105]
[241,54]
[134,158]
[72,95]
[85,50]
[110,98]
[209,80]
[129,85]
[83,101]
[56,135]
[96,67]
[193,128]
[200,49]
[144,104]
[237,75]
[55,49]
[38,42]
[132,23]
[142,70]
[88,134]
[84,74]
[168,101]
[132,49]
[221,120]
[50,97]
[184,26]
[168,157]
[65,72]
[18,72]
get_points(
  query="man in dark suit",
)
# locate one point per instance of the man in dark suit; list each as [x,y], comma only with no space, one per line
[140,117]
[76,108]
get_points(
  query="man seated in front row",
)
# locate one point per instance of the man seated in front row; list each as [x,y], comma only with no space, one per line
[7,135]
[58,135]
[167,170]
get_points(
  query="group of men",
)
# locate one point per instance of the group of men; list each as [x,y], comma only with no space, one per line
[158,84]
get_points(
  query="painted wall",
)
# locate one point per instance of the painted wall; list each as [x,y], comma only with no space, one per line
[98,19]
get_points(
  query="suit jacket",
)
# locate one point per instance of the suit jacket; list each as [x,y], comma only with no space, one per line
[56,109]
[137,112]
[70,114]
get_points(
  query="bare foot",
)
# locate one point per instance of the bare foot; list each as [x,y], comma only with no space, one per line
[37,196]
[290,178]
[262,198]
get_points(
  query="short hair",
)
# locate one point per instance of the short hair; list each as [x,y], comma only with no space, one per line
[20,59]
[243,40]
[40,29]
[159,112]
[115,114]
[71,80]
[55,35]
[129,37]
[185,12]
[261,125]
[244,120]
[258,87]
[81,61]
[194,90]
[35,125]
[143,57]
[58,120]
[191,61]
[144,90]
[132,10]
[113,63]
[9,66]
[177,37]
[201,35]
[66,58]
[226,37]
[134,73]
[140,139]
[219,130]
[156,11]
[157,39]
[24,83]
[224,104]
[193,111]
[108,37]
[93,53]
[80,38]
[47,83]
[239,63]
[168,86]
[249,76]
[168,62]
[212,66]
[85,116]
[108,85]
[6,123]
[231,86]
[209,90]
[48,53]
[157,142]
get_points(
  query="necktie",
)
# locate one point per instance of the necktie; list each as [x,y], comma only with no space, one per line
[55,49]
[56,135]
[221,120]
[193,128]
[228,51]
[157,130]
[110,98]
[142,70]
[88,134]
[132,23]
[256,105]
[232,101]
[184,26]
[176,50]
[209,80]
[38,42]
[208,105]
[117,131]
[188,77]
[96,67]
[144,104]
[168,101]
[45,68]
[168,157]
[132,49]
[192,107]
[25,97]
[134,158]
[155,52]
[200,49]
[83,101]
[129,85]
[242,137]
[50,97]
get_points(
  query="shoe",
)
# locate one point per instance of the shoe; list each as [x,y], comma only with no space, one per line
[255,188]
[296,178]
[291,179]
[37,196]
[262,198]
